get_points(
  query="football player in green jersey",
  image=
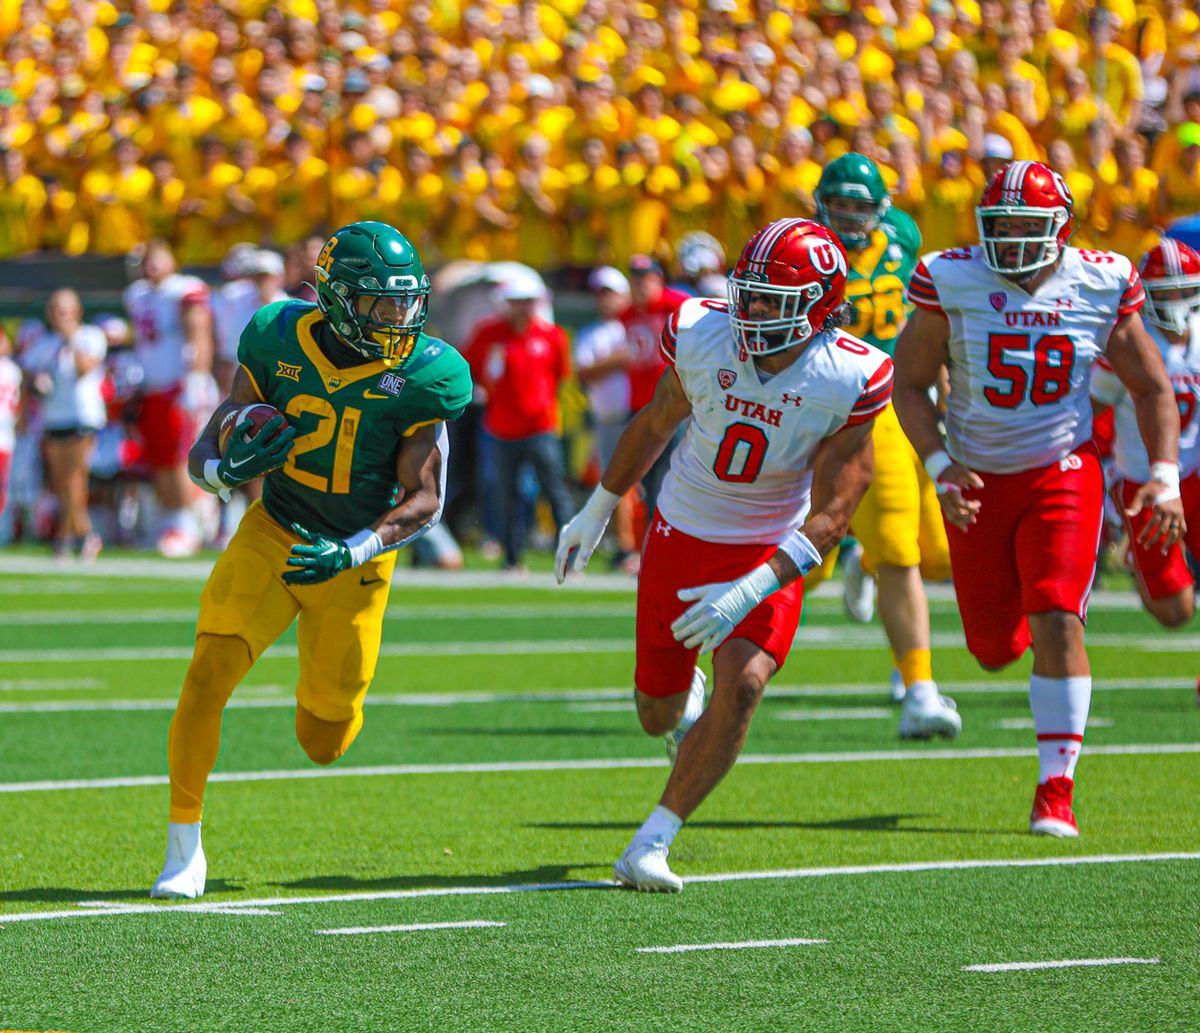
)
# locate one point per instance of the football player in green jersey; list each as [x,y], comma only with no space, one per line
[353,470]
[899,520]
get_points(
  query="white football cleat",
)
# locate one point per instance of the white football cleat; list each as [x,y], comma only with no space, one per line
[858,588]
[644,867]
[926,713]
[185,869]
[691,714]
[897,691]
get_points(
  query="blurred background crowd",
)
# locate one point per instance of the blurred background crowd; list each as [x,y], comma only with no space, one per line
[610,145]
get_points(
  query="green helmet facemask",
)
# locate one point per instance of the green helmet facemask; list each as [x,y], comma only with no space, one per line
[856,178]
[372,289]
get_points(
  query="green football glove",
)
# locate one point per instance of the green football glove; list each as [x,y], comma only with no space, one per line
[245,460]
[319,560]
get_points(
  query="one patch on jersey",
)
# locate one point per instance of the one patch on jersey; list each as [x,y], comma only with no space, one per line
[391,383]
[998,299]
[726,378]
[289,371]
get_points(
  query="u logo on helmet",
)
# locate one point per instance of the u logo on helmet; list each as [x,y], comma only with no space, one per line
[825,259]
[1063,189]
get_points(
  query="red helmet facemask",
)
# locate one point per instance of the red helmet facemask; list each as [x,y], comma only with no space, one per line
[1171,275]
[1025,190]
[788,285]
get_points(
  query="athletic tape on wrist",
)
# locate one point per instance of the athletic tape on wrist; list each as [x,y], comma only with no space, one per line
[800,550]
[603,501]
[937,463]
[363,546]
[1168,474]
[761,582]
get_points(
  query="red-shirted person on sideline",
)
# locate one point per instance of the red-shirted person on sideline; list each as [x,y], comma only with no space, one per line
[518,361]
[651,304]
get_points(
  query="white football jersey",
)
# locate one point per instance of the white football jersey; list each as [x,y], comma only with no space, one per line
[743,471]
[156,315]
[10,402]
[1020,364]
[1183,366]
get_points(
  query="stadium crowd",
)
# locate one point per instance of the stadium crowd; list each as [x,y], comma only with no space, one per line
[575,132]
[586,138]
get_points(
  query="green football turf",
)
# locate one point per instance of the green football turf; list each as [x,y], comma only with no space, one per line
[505,756]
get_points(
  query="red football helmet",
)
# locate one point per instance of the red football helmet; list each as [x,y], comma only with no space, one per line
[798,268]
[1025,190]
[1171,274]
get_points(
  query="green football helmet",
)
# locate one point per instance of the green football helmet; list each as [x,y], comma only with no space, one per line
[372,288]
[855,178]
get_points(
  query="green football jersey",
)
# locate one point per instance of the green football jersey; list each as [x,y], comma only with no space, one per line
[879,275]
[341,474]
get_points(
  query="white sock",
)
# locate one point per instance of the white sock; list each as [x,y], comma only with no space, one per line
[695,705]
[1060,709]
[662,824]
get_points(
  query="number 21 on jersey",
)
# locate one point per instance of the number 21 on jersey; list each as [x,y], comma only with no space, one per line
[343,457]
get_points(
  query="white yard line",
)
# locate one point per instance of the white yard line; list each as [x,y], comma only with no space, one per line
[824,638]
[415,927]
[1024,724]
[1030,966]
[861,714]
[600,764]
[50,684]
[96,908]
[572,697]
[684,948]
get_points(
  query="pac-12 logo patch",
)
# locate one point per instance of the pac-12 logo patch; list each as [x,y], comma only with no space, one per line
[726,378]
[998,299]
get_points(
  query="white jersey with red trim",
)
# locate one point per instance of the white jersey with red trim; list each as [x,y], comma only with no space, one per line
[743,471]
[1020,363]
[1183,367]
[10,403]
[156,315]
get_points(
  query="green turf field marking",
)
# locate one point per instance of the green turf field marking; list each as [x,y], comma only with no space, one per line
[571,697]
[412,927]
[600,764]
[50,684]
[1030,966]
[684,948]
[94,909]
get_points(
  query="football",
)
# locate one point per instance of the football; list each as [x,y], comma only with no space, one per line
[258,414]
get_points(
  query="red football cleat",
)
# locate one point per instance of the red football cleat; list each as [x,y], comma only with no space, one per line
[1051,815]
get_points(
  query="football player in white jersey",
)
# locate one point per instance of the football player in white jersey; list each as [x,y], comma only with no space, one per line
[1019,320]
[1171,275]
[776,455]
[172,337]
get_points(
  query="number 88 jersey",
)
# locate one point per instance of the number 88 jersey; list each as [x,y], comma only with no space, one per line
[743,472]
[1020,364]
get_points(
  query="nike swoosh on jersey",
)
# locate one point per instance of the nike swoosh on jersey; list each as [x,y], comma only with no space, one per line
[371,394]
[373,581]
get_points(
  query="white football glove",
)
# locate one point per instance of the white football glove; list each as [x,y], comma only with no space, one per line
[721,607]
[583,532]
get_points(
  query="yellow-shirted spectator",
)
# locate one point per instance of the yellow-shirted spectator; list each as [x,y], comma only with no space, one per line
[497,209]
[886,123]
[1114,73]
[420,201]
[744,197]
[204,214]
[1011,64]
[1179,187]
[696,205]
[497,118]
[912,31]
[541,197]
[115,201]
[22,200]
[161,212]
[1061,158]
[1074,117]
[185,121]
[64,227]
[948,216]
[999,120]
[596,117]
[945,42]
[466,184]
[302,197]
[252,198]
[591,187]
[1053,51]
[544,117]
[909,192]
[1167,147]
[1122,214]
[791,193]
[939,134]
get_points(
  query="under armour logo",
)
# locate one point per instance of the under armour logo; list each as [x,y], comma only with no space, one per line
[791,399]
[663,529]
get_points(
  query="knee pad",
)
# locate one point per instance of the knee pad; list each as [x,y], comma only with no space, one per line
[325,741]
[218,664]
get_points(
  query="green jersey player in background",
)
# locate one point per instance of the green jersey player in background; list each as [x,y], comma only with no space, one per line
[899,520]
[355,469]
